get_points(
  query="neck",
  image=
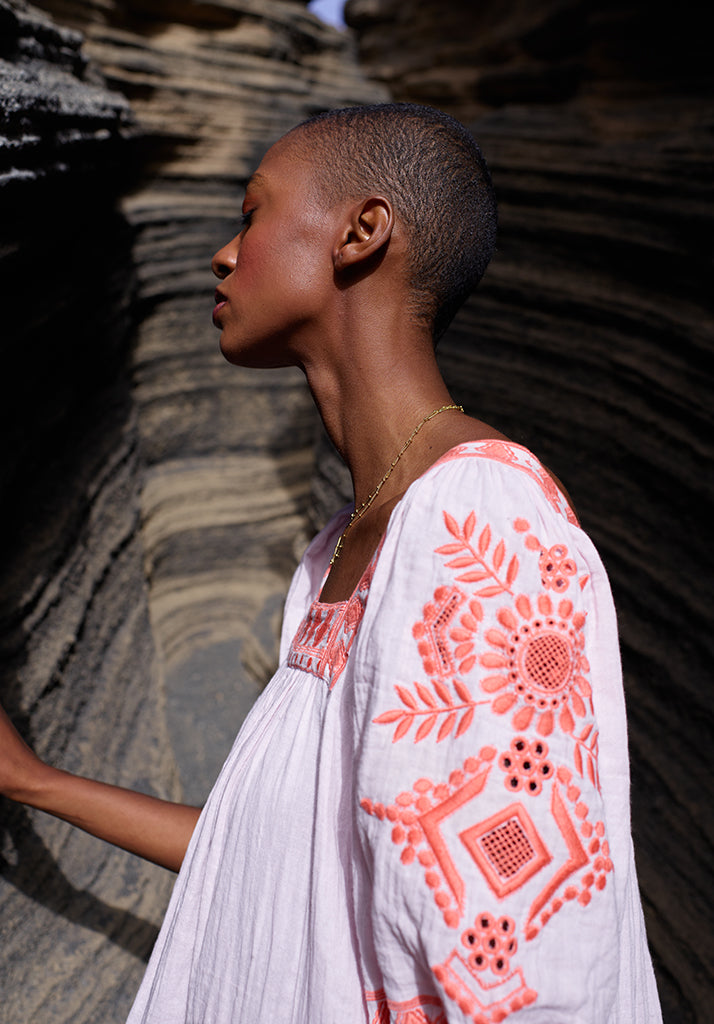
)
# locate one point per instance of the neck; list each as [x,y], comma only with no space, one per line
[373,399]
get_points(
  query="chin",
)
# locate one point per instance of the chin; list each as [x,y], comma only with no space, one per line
[256,357]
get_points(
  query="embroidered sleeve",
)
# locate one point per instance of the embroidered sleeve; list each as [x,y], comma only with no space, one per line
[480,802]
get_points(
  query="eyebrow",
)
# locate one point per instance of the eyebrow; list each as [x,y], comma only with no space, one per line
[255,181]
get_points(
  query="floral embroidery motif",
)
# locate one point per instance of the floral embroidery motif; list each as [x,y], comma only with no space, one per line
[526,766]
[491,943]
[324,637]
[482,982]
[419,1010]
[556,567]
[541,665]
[416,817]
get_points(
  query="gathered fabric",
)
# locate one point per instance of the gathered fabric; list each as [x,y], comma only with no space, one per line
[425,816]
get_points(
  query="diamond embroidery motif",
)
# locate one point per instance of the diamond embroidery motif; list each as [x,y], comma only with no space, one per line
[507,848]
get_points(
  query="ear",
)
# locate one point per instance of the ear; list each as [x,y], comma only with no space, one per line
[365,232]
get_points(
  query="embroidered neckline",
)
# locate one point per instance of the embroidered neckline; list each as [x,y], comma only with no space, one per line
[323,639]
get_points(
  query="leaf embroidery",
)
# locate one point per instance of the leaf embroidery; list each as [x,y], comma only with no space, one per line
[585,754]
[480,568]
[428,709]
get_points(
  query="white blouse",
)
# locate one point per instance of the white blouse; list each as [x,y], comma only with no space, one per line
[425,817]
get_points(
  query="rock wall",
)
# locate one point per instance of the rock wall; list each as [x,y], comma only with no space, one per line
[590,341]
[153,496]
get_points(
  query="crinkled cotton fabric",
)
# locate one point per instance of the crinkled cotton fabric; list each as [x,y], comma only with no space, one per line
[425,817]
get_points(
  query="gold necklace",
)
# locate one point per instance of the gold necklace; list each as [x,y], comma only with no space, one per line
[359,512]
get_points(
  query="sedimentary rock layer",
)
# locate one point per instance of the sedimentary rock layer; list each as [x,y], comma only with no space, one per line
[153,499]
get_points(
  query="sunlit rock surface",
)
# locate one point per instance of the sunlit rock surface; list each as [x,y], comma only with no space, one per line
[154,499]
[590,341]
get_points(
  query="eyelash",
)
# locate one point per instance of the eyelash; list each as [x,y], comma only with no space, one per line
[245,219]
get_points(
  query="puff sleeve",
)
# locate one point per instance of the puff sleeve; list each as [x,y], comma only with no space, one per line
[491,777]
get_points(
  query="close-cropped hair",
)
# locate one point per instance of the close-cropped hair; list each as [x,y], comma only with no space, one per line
[432,171]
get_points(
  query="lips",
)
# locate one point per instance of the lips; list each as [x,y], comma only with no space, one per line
[220,301]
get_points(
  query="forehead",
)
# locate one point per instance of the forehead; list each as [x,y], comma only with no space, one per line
[293,161]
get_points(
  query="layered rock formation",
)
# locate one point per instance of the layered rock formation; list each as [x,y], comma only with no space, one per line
[153,498]
[590,341]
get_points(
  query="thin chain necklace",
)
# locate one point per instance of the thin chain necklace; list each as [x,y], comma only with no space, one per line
[360,511]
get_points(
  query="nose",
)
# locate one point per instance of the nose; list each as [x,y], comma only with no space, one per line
[224,261]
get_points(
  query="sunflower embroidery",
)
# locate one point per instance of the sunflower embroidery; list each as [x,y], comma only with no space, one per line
[540,665]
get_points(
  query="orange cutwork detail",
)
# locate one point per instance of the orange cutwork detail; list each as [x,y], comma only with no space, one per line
[482,983]
[526,766]
[507,848]
[540,666]
[556,568]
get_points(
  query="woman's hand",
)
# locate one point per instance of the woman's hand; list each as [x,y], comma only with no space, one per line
[157,830]
[20,769]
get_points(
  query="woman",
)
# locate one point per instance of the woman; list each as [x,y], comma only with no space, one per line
[425,816]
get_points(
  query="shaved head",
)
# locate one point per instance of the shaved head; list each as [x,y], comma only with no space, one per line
[432,171]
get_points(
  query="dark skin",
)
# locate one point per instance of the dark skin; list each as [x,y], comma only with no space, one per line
[324,289]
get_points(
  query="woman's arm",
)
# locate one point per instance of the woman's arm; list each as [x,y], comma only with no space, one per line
[157,830]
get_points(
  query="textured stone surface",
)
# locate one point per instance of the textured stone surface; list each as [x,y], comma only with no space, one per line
[158,496]
[590,341]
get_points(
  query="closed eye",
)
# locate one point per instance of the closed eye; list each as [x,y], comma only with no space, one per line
[245,220]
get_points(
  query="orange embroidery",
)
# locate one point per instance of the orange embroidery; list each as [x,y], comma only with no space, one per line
[520,458]
[419,1010]
[428,707]
[507,848]
[323,639]
[556,567]
[417,817]
[484,565]
[526,766]
[482,984]
[596,857]
[431,633]
[539,655]
[491,943]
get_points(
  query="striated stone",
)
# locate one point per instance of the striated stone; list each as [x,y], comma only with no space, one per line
[155,498]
